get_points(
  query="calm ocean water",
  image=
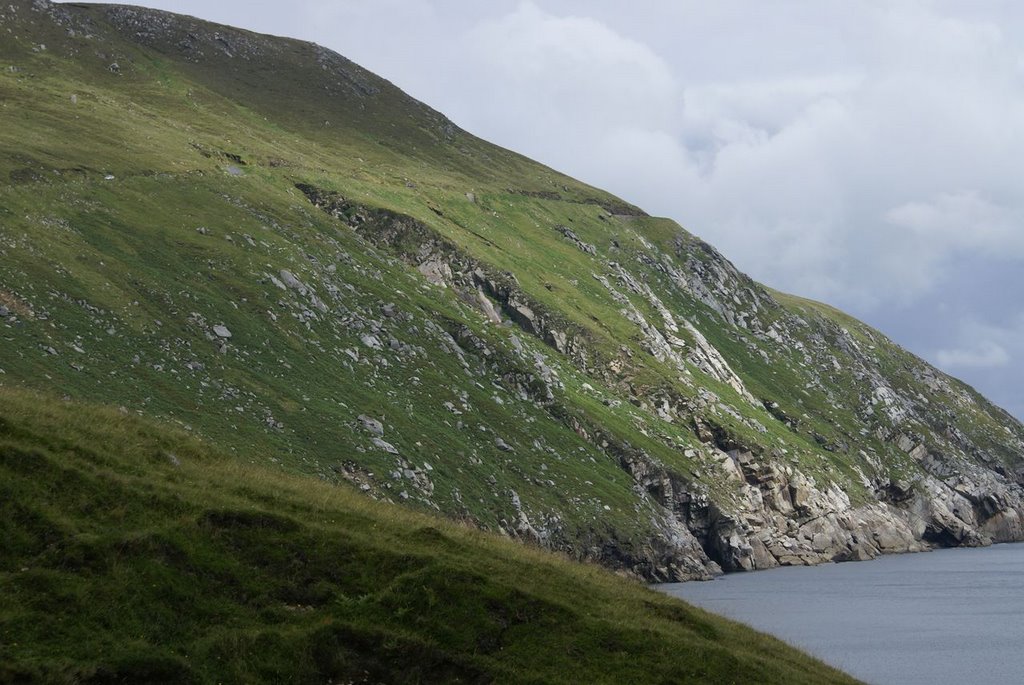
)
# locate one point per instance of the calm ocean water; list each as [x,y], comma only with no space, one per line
[949,616]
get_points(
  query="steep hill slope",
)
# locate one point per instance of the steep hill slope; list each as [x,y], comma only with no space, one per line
[134,554]
[282,252]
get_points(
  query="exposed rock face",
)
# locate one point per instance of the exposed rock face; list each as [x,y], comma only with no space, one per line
[786,520]
[797,523]
[709,360]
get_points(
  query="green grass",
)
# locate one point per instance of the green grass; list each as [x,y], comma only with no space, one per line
[130,552]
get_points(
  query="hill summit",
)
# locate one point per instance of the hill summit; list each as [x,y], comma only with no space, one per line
[260,241]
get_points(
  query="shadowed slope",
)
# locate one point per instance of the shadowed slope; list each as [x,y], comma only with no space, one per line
[134,553]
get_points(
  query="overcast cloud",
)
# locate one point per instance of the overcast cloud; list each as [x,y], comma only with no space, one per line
[866,154]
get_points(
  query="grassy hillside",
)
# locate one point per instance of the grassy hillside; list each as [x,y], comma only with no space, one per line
[130,552]
[260,242]
[276,298]
[143,265]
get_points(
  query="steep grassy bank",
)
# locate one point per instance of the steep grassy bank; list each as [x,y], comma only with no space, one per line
[130,552]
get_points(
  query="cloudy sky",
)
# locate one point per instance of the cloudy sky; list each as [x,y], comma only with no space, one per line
[867,154]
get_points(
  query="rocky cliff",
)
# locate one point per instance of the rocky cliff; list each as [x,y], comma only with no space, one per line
[257,239]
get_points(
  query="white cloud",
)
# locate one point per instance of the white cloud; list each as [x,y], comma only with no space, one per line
[961,220]
[566,90]
[575,67]
[753,111]
[985,355]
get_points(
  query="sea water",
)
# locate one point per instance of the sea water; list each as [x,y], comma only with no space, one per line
[948,616]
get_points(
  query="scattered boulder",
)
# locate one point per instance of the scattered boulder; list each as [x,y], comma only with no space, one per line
[487,307]
[371,424]
[523,315]
[436,272]
[575,240]
[289,279]
[221,331]
[384,445]
[558,339]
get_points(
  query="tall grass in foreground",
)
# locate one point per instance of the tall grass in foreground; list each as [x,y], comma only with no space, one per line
[131,552]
